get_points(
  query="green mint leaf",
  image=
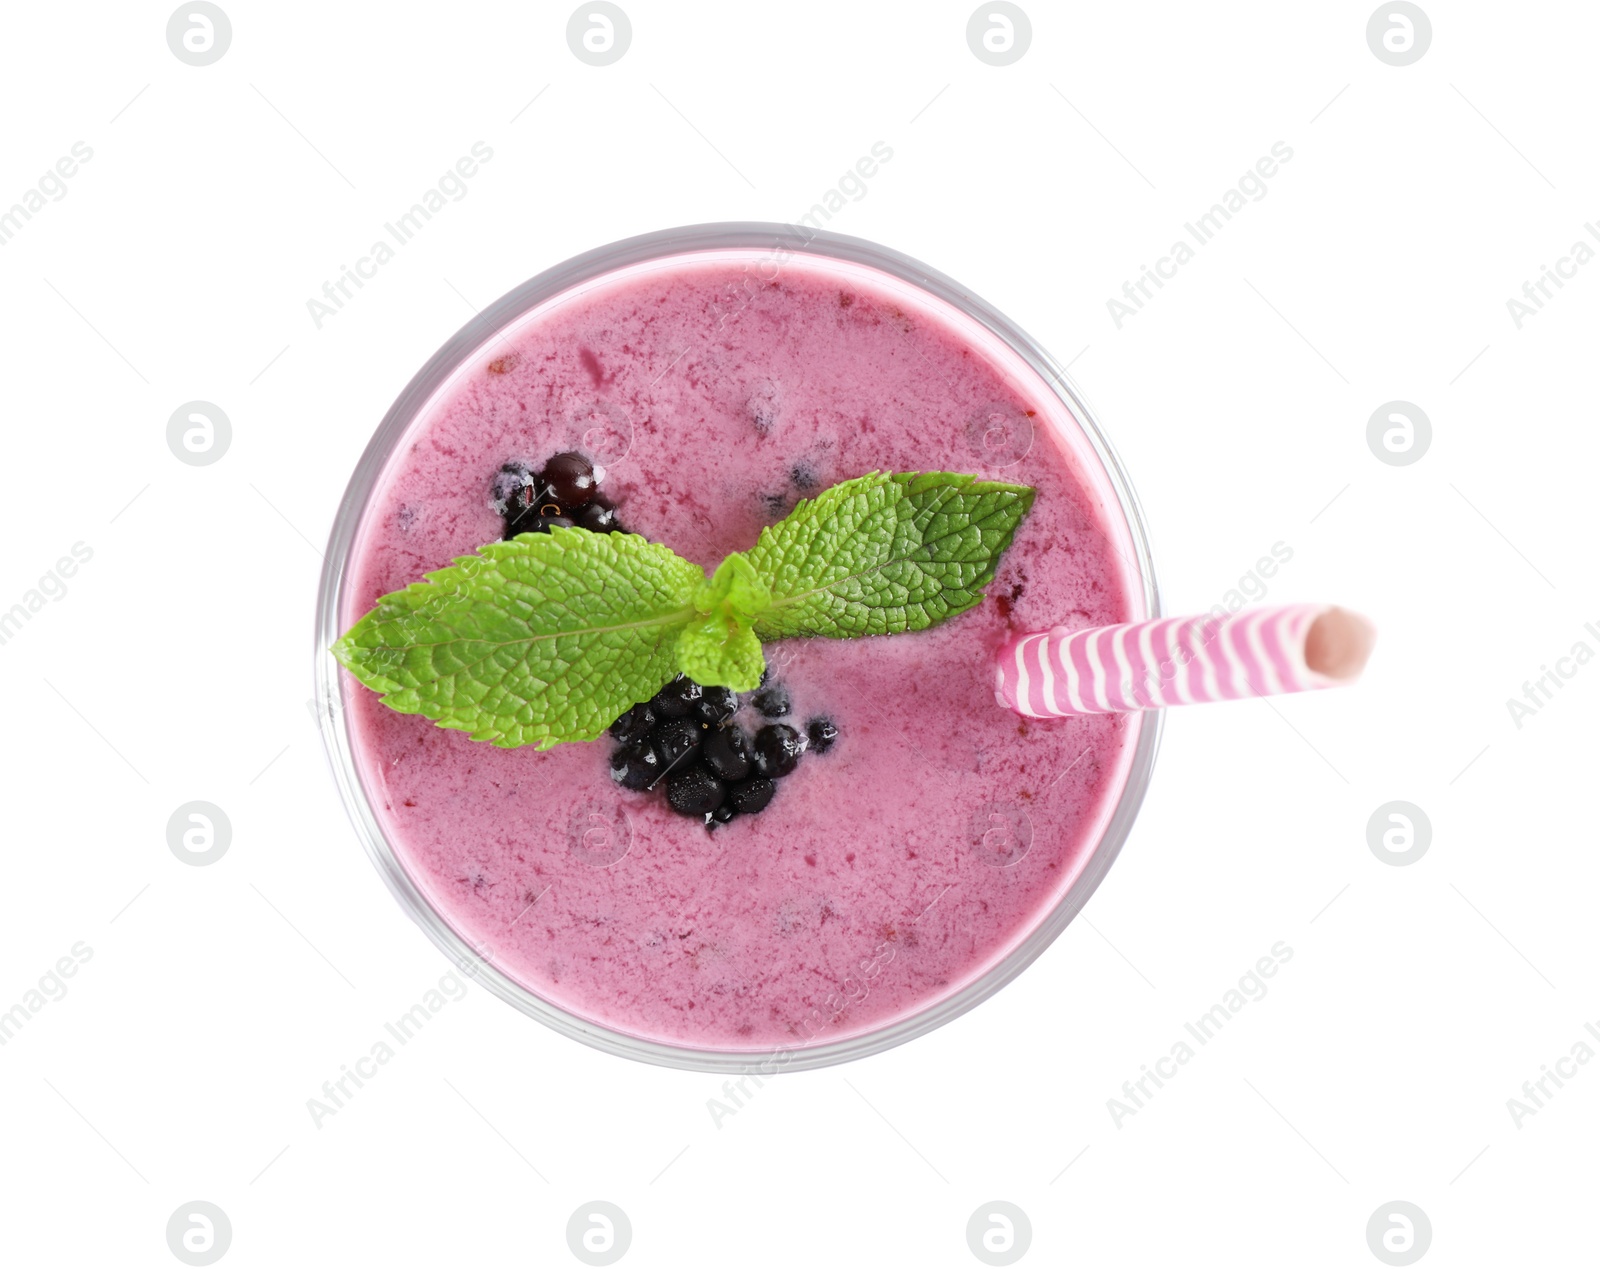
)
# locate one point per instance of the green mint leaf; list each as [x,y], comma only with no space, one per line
[720,648]
[885,553]
[540,640]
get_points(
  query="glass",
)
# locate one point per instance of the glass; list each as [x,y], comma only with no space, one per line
[778,242]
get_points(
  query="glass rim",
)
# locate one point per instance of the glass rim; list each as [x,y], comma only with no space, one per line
[330,687]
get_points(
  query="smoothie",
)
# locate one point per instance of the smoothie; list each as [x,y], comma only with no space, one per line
[932,830]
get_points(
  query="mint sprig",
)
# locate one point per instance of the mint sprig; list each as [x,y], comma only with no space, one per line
[549,637]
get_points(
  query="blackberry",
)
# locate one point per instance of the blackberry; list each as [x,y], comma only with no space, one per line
[778,750]
[530,512]
[675,738]
[772,702]
[571,478]
[685,738]
[677,699]
[633,725]
[822,732]
[636,766]
[517,494]
[565,493]
[509,481]
[727,752]
[716,705]
[750,797]
[598,516]
[694,792]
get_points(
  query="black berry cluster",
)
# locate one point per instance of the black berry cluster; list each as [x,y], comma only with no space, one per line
[563,493]
[686,739]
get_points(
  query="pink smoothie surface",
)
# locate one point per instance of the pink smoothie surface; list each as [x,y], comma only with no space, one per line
[937,832]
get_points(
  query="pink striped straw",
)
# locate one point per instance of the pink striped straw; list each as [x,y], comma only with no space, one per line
[1181,660]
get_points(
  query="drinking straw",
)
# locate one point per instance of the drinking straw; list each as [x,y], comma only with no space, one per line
[1181,660]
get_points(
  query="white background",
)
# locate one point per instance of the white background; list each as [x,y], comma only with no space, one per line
[177,666]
